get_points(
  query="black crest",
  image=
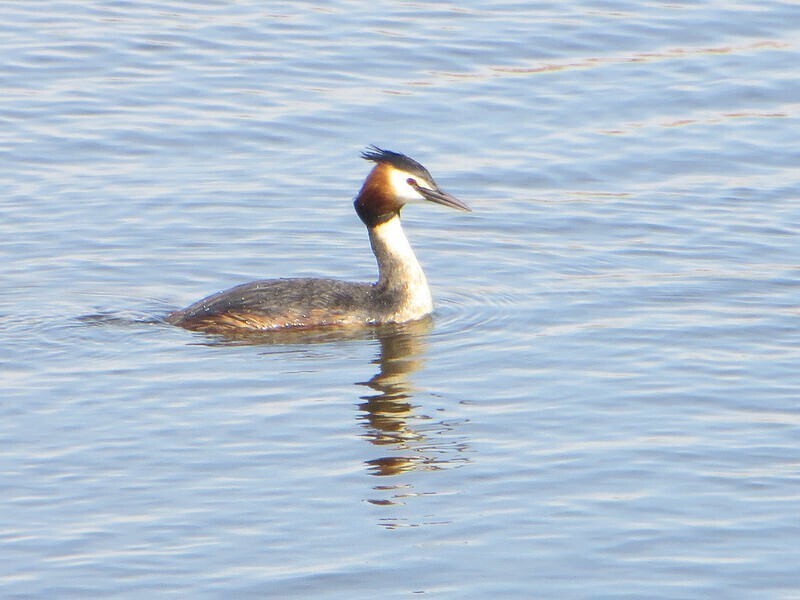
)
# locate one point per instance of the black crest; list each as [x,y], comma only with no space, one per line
[397,160]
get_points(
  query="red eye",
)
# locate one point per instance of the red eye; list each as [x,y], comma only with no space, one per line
[411,181]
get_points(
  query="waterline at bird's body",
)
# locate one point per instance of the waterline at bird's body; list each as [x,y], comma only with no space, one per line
[401,293]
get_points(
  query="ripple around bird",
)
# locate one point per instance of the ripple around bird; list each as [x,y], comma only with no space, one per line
[605,398]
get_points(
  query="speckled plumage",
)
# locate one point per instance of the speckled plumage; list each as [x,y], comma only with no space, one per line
[279,303]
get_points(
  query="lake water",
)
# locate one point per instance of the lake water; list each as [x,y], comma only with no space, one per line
[606,402]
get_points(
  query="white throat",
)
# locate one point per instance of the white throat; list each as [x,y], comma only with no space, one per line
[400,274]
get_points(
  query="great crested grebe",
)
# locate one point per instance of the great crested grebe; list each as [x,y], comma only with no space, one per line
[401,293]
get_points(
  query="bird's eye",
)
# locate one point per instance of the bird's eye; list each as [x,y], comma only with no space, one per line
[411,181]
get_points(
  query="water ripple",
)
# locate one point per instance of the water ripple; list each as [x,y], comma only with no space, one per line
[610,376]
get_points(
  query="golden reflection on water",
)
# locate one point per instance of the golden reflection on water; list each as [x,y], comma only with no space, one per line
[408,439]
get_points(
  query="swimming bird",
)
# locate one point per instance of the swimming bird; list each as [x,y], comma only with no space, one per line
[400,294]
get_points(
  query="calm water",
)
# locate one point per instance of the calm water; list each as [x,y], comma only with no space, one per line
[606,402]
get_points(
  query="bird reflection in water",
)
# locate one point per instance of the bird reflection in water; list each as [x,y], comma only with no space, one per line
[410,440]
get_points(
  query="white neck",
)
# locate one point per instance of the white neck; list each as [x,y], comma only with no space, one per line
[399,271]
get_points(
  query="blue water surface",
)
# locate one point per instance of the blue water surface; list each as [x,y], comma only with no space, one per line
[605,403]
